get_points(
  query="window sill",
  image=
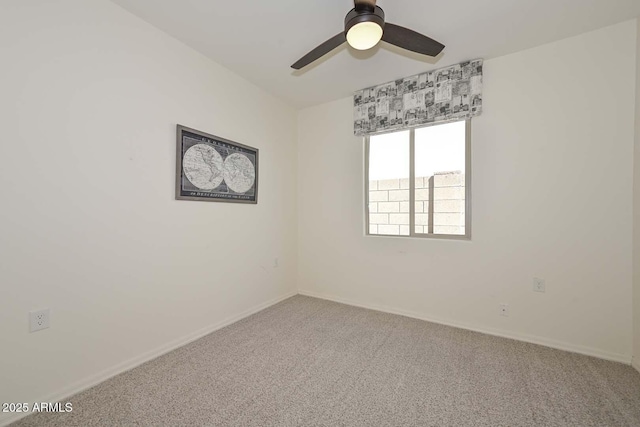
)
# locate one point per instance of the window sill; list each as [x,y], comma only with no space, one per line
[457,237]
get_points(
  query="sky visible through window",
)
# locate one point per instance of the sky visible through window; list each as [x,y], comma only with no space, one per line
[438,149]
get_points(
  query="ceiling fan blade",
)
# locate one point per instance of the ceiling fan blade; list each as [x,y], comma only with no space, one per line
[321,50]
[410,40]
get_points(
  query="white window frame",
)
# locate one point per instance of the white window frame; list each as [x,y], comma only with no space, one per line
[412,190]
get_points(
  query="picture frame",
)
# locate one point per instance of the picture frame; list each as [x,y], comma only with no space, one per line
[213,169]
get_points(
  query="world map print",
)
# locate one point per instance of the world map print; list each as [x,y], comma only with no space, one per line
[212,168]
[205,169]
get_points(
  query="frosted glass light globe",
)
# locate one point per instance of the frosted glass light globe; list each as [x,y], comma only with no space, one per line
[364,35]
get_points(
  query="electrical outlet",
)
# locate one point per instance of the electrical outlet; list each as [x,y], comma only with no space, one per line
[39,320]
[538,285]
[276,261]
[504,310]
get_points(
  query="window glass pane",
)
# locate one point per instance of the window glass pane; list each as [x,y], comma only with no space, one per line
[389,184]
[440,179]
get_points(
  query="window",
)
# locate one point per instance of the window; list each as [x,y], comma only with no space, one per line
[427,168]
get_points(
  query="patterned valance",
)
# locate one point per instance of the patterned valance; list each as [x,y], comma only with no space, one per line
[444,95]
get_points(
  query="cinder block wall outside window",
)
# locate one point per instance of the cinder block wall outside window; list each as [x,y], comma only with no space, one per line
[389,204]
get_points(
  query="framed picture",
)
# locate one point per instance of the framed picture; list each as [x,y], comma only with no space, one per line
[214,169]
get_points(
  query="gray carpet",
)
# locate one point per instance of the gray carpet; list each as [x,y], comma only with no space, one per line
[310,362]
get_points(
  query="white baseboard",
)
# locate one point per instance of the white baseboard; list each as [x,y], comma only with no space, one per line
[635,362]
[65,393]
[588,351]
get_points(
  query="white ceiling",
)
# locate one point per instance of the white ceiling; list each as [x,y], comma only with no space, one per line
[260,39]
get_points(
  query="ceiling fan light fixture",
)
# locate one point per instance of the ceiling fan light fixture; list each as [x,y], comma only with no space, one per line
[364,35]
[363,26]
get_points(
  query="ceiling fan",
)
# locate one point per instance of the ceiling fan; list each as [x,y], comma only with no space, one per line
[364,27]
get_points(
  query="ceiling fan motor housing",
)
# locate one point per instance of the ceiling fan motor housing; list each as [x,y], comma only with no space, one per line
[358,15]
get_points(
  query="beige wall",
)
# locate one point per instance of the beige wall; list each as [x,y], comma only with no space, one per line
[89,226]
[551,198]
[636,218]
